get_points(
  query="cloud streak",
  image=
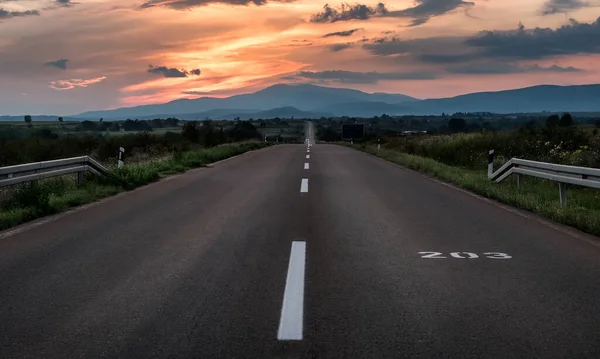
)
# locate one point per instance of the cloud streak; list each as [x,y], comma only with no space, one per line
[562,6]
[171,72]
[61,64]
[348,12]
[62,85]
[422,12]
[340,47]
[538,43]
[342,33]
[6,14]
[352,77]
[426,9]
[493,68]
[65,3]
[188,4]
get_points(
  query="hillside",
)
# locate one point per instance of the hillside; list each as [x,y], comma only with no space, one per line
[552,98]
[310,101]
[301,97]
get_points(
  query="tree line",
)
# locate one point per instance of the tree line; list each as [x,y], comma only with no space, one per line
[46,144]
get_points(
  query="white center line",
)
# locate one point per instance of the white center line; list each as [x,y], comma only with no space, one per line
[292,311]
[306,166]
[307,156]
[304,185]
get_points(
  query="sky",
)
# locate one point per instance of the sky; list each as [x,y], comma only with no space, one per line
[64,57]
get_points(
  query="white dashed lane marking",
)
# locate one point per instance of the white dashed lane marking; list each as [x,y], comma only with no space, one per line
[304,185]
[292,310]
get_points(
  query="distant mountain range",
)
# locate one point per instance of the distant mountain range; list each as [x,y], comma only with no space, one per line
[274,101]
[310,101]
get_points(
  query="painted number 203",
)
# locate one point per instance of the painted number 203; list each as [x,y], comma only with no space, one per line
[464,255]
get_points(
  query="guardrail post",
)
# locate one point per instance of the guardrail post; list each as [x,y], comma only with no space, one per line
[490,163]
[520,180]
[562,189]
[80,178]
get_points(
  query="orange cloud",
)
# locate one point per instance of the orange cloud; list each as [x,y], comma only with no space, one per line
[232,76]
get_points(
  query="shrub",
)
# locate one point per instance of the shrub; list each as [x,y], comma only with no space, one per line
[32,195]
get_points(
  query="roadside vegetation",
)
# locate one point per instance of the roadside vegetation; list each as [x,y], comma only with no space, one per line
[143,140]
[460,158]
[149,157]
[452,148]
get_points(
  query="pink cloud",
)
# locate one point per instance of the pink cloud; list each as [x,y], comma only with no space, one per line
[72,83]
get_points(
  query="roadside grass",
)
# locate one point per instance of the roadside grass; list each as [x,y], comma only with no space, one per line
[156,131]
[29,201]
[537,195]
[569,146]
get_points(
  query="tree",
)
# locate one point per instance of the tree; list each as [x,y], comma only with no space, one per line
[114,127]
[552,121]
[88,126]
[457,125]
[190,131]
[47,133]
[136,125]
[530,127]
[171,122]
[60,119]
[566,120]
[221,136]
[28,119]
[208,132]
[156,123]
[329,135]
[244,130]
[475,127]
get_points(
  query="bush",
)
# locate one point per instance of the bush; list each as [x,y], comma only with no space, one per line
[32,195]
[564,145]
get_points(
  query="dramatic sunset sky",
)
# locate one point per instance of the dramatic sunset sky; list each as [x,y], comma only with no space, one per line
[67,56]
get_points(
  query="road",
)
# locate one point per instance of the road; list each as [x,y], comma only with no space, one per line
[247,260]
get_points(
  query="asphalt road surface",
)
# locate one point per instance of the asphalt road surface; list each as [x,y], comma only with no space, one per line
[275,255]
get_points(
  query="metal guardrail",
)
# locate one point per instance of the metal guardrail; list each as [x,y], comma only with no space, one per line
[12,175]
[563,174]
